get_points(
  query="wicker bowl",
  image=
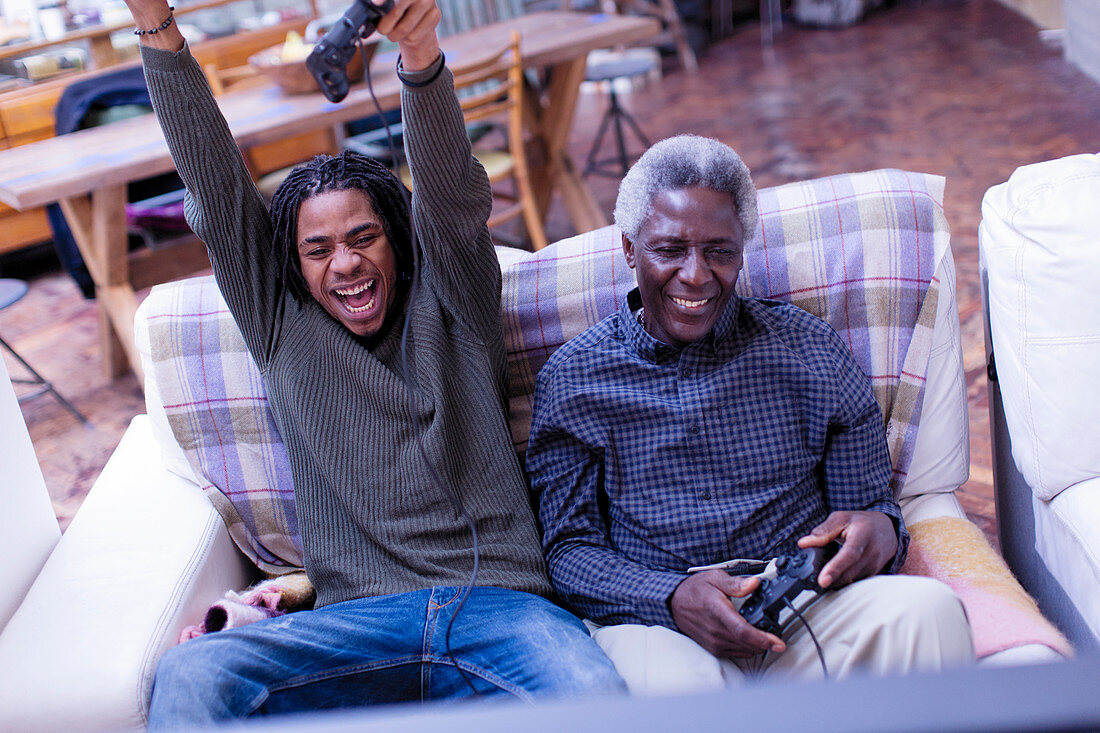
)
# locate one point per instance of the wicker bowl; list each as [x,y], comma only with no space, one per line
[293,77]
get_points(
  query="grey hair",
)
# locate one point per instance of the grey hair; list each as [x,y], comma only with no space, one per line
[685,161]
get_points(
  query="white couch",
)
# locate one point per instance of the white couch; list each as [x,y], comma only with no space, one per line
[1040,263]
[28,528]
[145,555]
[147,552]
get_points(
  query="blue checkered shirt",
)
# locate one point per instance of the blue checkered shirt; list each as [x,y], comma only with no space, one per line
[648,459]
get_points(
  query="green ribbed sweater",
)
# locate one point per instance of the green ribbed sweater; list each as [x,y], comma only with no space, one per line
[372,520]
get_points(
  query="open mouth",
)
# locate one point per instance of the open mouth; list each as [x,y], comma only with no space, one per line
[360,298]
[690,304]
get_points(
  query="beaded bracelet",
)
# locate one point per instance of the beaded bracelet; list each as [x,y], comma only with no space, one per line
[159,28]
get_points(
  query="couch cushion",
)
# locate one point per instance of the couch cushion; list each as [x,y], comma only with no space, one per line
[1040,247]
[171,454]
[941,454]
[211,395]
[1067,537]
[861,251]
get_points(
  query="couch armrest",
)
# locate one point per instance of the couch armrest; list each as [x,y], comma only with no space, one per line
[144,557]
[941,453]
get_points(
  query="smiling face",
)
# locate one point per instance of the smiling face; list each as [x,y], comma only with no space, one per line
[687,256]
[346,259]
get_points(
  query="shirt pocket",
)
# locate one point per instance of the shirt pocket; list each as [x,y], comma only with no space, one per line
[763,444]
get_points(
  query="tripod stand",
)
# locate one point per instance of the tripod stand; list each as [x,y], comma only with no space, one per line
[615,166]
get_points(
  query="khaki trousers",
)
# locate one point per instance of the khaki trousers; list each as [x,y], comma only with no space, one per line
[886,624]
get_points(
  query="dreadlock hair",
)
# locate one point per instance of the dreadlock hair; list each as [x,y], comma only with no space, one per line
[346,171]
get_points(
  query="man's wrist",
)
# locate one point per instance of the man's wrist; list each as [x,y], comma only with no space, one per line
[419,56]
[148,29]
[155,25]
[420,77]
[901,535]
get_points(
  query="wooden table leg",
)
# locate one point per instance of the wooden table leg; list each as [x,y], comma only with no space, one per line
[110,347]
[99,228]
[553,124]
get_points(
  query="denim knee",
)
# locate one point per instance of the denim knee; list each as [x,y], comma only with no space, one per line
[572,664]
[196,658]
[195,685]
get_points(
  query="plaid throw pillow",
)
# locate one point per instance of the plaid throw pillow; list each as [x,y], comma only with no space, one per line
[214,399]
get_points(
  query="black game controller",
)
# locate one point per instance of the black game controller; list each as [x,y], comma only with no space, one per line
[330,56]
[796,573]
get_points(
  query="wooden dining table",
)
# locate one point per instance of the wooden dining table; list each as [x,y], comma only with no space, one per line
[87,171]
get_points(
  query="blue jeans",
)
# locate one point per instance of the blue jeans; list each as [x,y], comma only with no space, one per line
[383,649]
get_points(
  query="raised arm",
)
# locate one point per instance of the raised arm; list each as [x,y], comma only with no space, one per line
[451,194]
[222,204]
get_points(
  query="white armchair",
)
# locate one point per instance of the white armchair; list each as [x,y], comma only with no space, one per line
[91,614]
[1040,263]
[28,528]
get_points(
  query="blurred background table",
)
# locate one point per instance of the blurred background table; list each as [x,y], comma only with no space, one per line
[87,171]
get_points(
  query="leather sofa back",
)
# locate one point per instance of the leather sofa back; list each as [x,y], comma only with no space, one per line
[1040,248]
[28,527]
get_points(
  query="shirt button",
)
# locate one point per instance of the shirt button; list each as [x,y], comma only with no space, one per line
[685,373]
[694,430]
[706,495]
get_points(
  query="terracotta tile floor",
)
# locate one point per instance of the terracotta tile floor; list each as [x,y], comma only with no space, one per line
[961,88]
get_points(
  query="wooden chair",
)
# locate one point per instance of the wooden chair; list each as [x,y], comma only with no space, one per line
[222,80]
[491,89]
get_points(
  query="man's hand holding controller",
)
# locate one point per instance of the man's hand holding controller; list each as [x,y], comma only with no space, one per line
[868,541]
[701,605]
[410,24]
[702,609]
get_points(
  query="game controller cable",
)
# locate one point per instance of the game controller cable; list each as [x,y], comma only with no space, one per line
[797,613]
[813,636]
[793,574]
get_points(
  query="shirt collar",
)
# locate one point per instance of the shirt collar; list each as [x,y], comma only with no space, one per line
[656,351]
[726,325]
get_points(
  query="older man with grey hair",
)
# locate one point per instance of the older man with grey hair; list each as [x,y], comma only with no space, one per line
[693,427]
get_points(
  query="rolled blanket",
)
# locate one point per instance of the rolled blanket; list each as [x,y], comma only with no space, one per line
[266,599]
[1002,614]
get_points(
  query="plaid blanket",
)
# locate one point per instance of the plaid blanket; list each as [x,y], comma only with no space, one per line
[858,250]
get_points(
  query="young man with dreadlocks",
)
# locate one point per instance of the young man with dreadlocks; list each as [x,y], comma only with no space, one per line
[322,289]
